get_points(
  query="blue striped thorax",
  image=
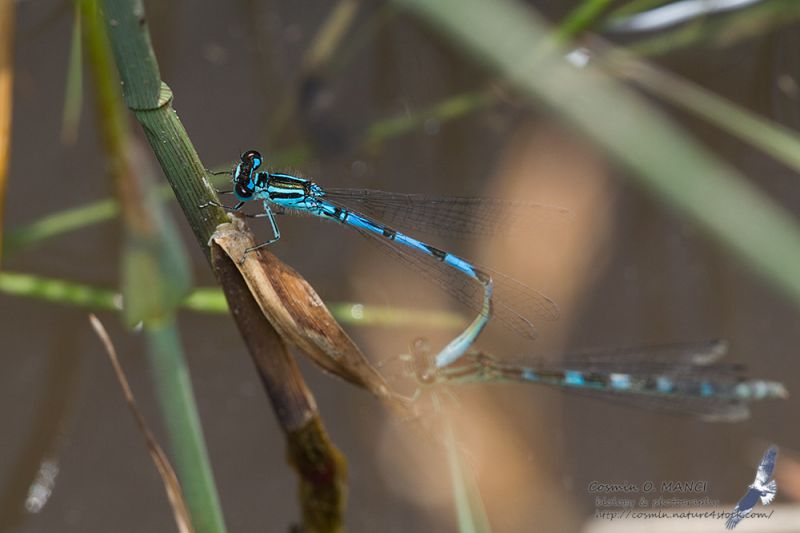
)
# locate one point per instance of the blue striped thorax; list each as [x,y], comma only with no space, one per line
[289,191]
[277,188]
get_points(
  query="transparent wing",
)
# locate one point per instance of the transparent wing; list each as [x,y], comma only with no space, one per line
[515,305]
[446,216]
[692,357]
[686,380]
[709,409]
[702,352]
[677,378]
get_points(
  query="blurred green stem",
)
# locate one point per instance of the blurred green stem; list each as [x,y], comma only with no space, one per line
[73,94]
[580,19]
[155,269]
[151,102]
[781,143]
[330,35]
[60,222]
[211,300]
[176,399]
[470,510]
[326,42]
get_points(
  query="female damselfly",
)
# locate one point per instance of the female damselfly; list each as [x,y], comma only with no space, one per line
[678,378]
[483,290]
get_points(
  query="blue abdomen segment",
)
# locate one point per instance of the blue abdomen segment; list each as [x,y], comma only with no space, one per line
[359,221]
[458,346]
[701,387]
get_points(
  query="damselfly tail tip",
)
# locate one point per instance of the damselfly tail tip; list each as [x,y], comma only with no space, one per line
[779,390]
[716,350]
[758,389]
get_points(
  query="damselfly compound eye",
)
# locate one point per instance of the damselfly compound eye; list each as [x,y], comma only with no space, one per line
[253,158]
[242,191]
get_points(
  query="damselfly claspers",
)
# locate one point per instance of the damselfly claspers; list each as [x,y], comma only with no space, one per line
[483,290]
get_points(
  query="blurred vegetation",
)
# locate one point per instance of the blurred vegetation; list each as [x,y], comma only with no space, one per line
[526,58]
[155,276]
[660,156]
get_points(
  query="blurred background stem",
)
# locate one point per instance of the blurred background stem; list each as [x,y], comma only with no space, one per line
[155,280]
[211,300]
[179,409]
[660,156]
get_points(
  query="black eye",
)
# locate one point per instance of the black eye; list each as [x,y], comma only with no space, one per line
[242,191]
[251,155]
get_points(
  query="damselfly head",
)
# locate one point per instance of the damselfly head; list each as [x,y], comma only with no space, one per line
[244,175]
[253,158]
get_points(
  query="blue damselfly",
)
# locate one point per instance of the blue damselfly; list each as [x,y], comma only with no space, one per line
[485,291]
[679,378]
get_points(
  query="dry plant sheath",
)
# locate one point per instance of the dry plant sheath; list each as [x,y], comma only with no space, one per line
[297,312]
[321,467]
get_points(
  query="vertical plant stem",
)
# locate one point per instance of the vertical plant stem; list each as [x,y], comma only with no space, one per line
[176,398]
[470,511]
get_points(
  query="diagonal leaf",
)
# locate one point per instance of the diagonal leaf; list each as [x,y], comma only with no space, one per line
[661,157]
[165,470]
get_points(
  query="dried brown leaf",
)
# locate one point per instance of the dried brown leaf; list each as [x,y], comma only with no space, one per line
[298,313]
[168,477]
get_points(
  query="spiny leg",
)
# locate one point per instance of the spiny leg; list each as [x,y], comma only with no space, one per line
[276,233]
[218,172]
[233,209]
